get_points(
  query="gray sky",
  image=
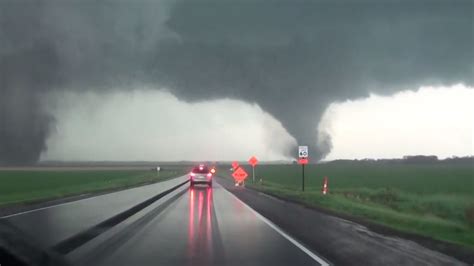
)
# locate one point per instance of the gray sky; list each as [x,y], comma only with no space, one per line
[154,125]
[431,121]
[148,124]
[292,58]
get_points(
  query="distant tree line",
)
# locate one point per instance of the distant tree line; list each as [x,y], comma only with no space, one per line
[414,159]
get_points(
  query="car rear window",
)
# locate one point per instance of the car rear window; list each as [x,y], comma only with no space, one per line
[201,170]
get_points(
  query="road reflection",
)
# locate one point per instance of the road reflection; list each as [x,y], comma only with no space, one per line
[200,224]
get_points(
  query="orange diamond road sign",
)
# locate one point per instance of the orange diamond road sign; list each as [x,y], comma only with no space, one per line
[253,161]
[239,174]
[303,161]
[235,164]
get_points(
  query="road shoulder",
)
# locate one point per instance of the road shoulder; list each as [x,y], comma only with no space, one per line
[340,240]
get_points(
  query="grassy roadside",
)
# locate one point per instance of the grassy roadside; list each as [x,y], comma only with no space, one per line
[429,200]
[31,186]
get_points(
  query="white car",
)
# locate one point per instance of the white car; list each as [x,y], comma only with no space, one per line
[200,175]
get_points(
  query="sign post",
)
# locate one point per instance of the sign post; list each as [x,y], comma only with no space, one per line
[303,159]
[302,182]
[253,161]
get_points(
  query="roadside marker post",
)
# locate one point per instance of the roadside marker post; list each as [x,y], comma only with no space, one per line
[253,161]
[325,185]
[303,159]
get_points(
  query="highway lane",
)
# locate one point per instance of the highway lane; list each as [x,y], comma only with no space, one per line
[48,226]
[203,226]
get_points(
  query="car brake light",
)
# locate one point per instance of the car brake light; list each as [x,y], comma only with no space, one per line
[192,174]
[209,175]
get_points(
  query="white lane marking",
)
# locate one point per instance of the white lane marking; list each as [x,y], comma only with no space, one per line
[75,201]
[47,207]
[281,232]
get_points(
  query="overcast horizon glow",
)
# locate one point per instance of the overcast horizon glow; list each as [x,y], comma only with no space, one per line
[151,125]
[431,121]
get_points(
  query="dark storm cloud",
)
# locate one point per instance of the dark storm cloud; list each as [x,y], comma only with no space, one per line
[294,58]
[291,57]
[50,46]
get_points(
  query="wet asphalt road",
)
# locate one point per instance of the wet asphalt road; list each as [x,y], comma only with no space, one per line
[213,226]
[202,226]
[48,226]
[340,241]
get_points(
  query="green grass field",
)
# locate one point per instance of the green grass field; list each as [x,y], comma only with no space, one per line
[28,186]
[432,200]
